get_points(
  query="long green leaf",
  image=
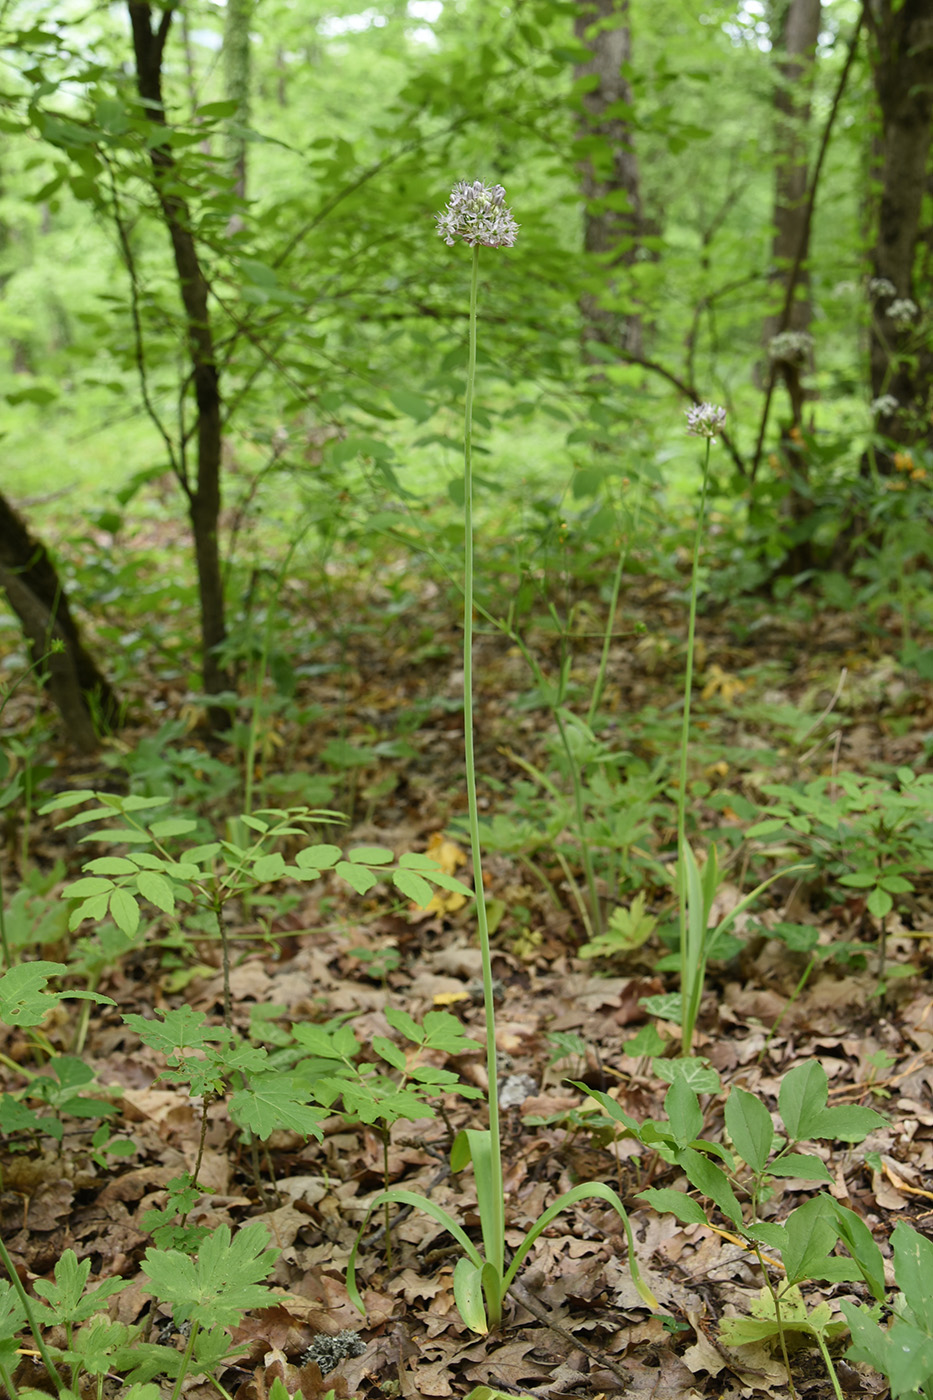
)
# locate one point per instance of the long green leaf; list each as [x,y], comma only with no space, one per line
[407,1198]
[475,1144]
[587,1190]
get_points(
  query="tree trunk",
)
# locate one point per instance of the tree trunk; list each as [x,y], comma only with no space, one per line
[35,593]
[900,360]
[787,332]
[204,496]
[236,55]
[608,167]
[798,34]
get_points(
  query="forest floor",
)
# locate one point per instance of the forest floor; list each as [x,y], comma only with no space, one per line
[769,707]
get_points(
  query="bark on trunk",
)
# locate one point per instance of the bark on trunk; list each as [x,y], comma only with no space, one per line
[236,55]
[787,333]
[608,167]
[35,593]
[204,496]
[901,362]
[799,31]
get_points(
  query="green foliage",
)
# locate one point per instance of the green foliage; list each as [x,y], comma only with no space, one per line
[223,1282]
[902,1352]
[867,833]
[749,1168]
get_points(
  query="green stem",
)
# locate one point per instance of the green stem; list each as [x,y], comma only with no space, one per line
[186,1359]
[610,620]
[26,1302]
[498,1234]
[4,940]
[586,853]
[776,1300]
[687,1022]
[828,1363]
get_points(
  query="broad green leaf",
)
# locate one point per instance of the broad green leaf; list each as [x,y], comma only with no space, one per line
[846,1123]
[110,865]
[708,1178]
[171,826]
[903,1353]
[413,886]
[406,1025]
[444,1032]
[222,1283]
[667,1201]
[390,1052]
[801,1165]
[810,1235]
[697,1074]
[750,1128]
[913,1270]
[858,1240]
[360,877]
[611,1108]
[271,1103]
[371,855]
[157,890]
[802,1098]
[268,867]
[124,911]
[683,1110]
[176,1031]
[86,887]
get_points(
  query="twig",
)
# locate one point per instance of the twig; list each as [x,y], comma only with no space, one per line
[540,1312]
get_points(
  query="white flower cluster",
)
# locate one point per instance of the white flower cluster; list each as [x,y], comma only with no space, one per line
[885,406]
[793,347]
[705,420]
[902,312]
[881,287]
[476,213]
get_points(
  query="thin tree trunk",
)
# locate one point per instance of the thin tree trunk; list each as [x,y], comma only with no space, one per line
[787,332]
[608,166]
[34,590]
[236,55]
[901,363]
[204,495]
[799,31]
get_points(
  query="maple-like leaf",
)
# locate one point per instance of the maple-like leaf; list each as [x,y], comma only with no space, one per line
[222,1283]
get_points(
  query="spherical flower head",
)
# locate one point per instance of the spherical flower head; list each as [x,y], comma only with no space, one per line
[705,420]
[885,406]
[881,287]
[902,311]
[476,213]
[791,347]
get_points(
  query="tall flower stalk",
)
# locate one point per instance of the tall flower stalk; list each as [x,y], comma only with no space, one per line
[703,420]
[476,215]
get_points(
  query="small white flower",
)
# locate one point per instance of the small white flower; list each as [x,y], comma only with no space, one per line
[476,213]
[881,287]
[792,347]
[705,420]
[885,406]
[902,312]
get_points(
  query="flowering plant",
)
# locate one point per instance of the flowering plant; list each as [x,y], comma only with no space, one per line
[476,213]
